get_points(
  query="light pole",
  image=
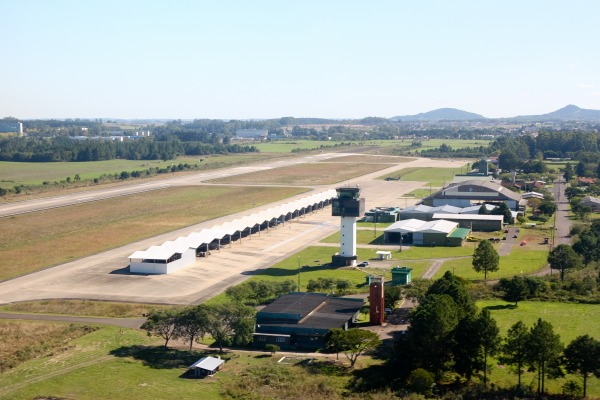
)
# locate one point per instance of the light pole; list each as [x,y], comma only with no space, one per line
[375,224]
[298,273]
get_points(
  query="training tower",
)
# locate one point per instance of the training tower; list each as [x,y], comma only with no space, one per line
[376,301]
[349,206]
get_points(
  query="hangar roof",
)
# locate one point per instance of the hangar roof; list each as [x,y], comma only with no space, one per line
[205,236]
[416,225]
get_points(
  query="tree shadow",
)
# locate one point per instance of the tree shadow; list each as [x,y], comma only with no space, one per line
[159,357]
[289,272]
[501,307]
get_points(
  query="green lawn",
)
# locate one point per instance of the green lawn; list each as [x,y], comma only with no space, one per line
[519,261]
[363,236]
[419,193]
[434,176]
[419,253]
[286,146]
[568,320]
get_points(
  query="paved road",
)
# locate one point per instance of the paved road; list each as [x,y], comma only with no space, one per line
[562,222]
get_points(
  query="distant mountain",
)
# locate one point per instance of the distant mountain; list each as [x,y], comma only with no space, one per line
[441,114]
[568,113]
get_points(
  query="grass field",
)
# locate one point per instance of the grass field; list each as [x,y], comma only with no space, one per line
[286,146]
[568,320]
[113,363]
[435,177]
[313,263]
[419,193]
[87,308]
[370,158]
[519,261]
[24,173]
[32,241]
[305,174]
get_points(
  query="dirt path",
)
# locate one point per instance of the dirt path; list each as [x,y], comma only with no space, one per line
[436,265]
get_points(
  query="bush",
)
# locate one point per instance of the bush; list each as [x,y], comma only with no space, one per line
[272,348]
[421,381]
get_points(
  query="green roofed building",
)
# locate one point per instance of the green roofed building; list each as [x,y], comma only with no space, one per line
[426,233]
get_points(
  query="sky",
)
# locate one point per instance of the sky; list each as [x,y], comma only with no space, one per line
[269,59]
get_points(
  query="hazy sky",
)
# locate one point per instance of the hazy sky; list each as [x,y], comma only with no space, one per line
[322,58]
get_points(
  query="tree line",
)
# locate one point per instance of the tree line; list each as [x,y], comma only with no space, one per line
[227,323]
[449,336]
[57,149]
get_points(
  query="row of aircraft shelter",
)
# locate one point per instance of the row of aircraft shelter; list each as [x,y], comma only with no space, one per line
[182,252]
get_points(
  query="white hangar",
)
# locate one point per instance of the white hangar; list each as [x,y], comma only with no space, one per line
[182,252]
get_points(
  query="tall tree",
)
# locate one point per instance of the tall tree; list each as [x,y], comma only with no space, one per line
[431,331]
[358,341]
[489,336]
[162,323]
[543,351]
[191,324]
[562,258]
[454,287]
[229,323]
[485,258]
[515,348]
[515,289]
[582,356]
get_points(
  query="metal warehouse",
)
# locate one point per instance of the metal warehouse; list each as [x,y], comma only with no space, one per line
[426,233]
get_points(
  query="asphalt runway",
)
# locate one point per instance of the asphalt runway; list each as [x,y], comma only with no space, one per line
[105,276]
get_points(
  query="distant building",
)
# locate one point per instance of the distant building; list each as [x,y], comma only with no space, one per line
[468,193]
[252,134]
[382,214]
[302,320]
[592,202]
[11,127]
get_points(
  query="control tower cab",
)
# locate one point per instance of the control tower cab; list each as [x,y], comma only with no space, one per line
[349,206]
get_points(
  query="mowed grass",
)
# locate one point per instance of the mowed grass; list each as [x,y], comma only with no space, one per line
[520,261]
[371,158]
[29,173]
[434,176]
[313,263]
[36,240]
[305,174]
[569,320]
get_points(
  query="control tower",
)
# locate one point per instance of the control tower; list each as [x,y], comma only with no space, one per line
[349,206]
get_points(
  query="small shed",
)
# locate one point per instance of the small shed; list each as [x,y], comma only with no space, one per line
[206,366]
[384,255]
[401,276]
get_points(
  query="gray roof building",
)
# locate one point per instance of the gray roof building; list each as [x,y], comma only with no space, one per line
[301,320]
[471,192]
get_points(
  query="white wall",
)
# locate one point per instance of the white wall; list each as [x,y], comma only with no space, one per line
[187,259]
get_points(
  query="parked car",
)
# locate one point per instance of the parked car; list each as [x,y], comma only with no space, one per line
[363,264]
